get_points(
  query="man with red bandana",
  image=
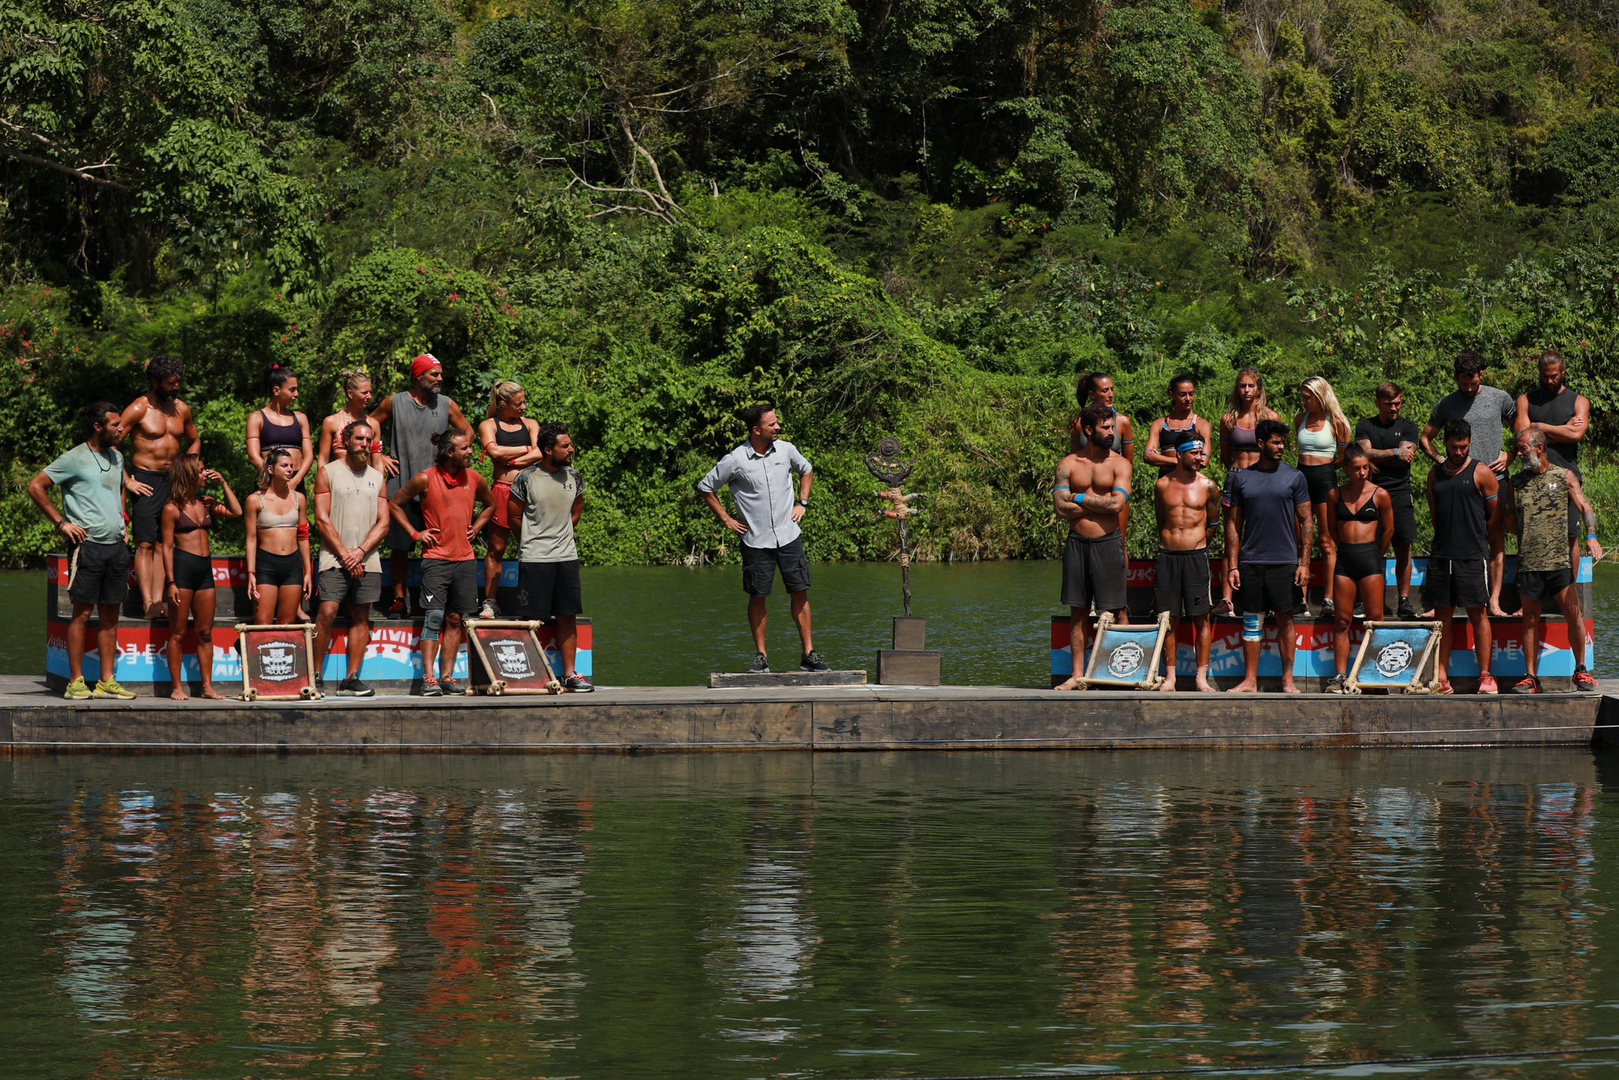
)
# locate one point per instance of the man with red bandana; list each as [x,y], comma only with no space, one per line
[417,415]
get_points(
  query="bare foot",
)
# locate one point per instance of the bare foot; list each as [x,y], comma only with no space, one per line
[179,695]
[1244,687]
[1071,684]
[213,695]
[1205,687]
[154,611]
[1168,685]
[1291,688]
[1498,613]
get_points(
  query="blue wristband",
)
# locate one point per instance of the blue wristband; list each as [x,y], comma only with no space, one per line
[1079,498]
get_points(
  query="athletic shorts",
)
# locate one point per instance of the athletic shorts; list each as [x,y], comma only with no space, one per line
[1544,585]
[759,567]
[1320,479]
[193,572]
[546,590]
[1357,561]
[1183,583]
[450,586]
[274,571]
[399,539]
[98,573]
[1405,516]
[502,495]
[1094,570]
[337,587]
[1267,587]
[1456,583]
[146,512]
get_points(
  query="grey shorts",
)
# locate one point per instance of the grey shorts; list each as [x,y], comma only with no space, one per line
[1094,570]
[336,587]
[450,586]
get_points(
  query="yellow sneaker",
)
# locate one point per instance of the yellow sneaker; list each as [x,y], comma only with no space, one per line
[110,688]
[77,690]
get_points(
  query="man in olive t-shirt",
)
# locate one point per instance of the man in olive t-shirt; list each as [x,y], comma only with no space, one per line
[546,501]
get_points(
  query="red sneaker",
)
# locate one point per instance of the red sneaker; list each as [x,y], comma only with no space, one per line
[1584,680]
[1526,685]
[1486,685]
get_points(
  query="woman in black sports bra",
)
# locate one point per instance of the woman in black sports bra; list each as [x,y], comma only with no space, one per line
[1362,518]
[186,519]
[511,440]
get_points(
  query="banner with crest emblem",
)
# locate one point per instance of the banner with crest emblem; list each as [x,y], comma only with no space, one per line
[1126,656]
[1400,657]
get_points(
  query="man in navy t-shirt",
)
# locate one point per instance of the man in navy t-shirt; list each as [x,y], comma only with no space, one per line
[1268,549]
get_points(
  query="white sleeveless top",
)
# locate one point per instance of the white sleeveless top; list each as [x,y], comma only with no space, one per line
[354,510]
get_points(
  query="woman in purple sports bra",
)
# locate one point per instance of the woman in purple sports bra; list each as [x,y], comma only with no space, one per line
[280,424]
[1239,446]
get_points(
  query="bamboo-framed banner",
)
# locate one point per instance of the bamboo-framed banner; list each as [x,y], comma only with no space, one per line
[1126,656]
[1398,657]
[278,662]
[506,657]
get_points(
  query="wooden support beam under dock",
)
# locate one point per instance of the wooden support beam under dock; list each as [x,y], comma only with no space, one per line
[835,718]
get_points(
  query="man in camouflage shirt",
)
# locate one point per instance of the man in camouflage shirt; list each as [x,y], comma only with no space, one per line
[1538,512]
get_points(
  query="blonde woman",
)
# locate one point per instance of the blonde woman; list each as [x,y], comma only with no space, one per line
[1239,445]
[188,559]
[356,410]
[1247,406]
[278,576]
[1323,432]
[512,442]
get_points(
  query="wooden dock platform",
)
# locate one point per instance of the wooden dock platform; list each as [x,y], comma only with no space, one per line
[830,718]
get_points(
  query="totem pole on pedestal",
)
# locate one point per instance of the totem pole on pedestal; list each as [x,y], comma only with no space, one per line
[909,662]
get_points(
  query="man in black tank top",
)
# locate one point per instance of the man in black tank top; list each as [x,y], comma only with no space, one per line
[1463,499]
[1563,417]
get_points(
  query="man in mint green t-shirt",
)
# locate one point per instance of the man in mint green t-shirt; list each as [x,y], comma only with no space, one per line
[91,476]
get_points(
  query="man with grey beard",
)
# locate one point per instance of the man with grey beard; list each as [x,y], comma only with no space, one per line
[1537,510]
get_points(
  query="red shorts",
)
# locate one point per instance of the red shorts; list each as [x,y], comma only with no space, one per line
[502,496]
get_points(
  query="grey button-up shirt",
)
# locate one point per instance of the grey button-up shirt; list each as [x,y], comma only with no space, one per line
[762,485]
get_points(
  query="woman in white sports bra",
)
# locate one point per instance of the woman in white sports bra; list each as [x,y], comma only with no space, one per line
[1323,433]
[278,574]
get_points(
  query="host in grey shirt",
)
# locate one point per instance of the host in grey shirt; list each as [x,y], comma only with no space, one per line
[759,474]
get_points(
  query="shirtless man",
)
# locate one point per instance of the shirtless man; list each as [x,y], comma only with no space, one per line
[1188,508]
[161,428]
[1093,489]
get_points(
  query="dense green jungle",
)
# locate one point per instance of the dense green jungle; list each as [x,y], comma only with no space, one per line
[911,217]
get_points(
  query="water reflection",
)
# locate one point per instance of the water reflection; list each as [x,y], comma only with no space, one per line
[772,915]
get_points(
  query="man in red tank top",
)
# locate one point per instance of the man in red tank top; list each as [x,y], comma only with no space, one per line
[448,491]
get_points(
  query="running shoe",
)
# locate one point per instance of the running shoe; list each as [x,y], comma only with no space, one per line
[1406,611]
[398,609]
[353,687]
[110,688]
[1444,688]
[577,684]
[1526,685]
[1338,684]
[1359,612]
[760,665]
[812,662]
[1584,680]
[1486,685]
[452,688]
[490,609]
[431,688]
[1328,608]
[77,690]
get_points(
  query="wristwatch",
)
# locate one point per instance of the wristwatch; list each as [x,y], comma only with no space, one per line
[802,502]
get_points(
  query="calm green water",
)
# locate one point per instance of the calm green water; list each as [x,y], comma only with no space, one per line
[672,626]
[797,916]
